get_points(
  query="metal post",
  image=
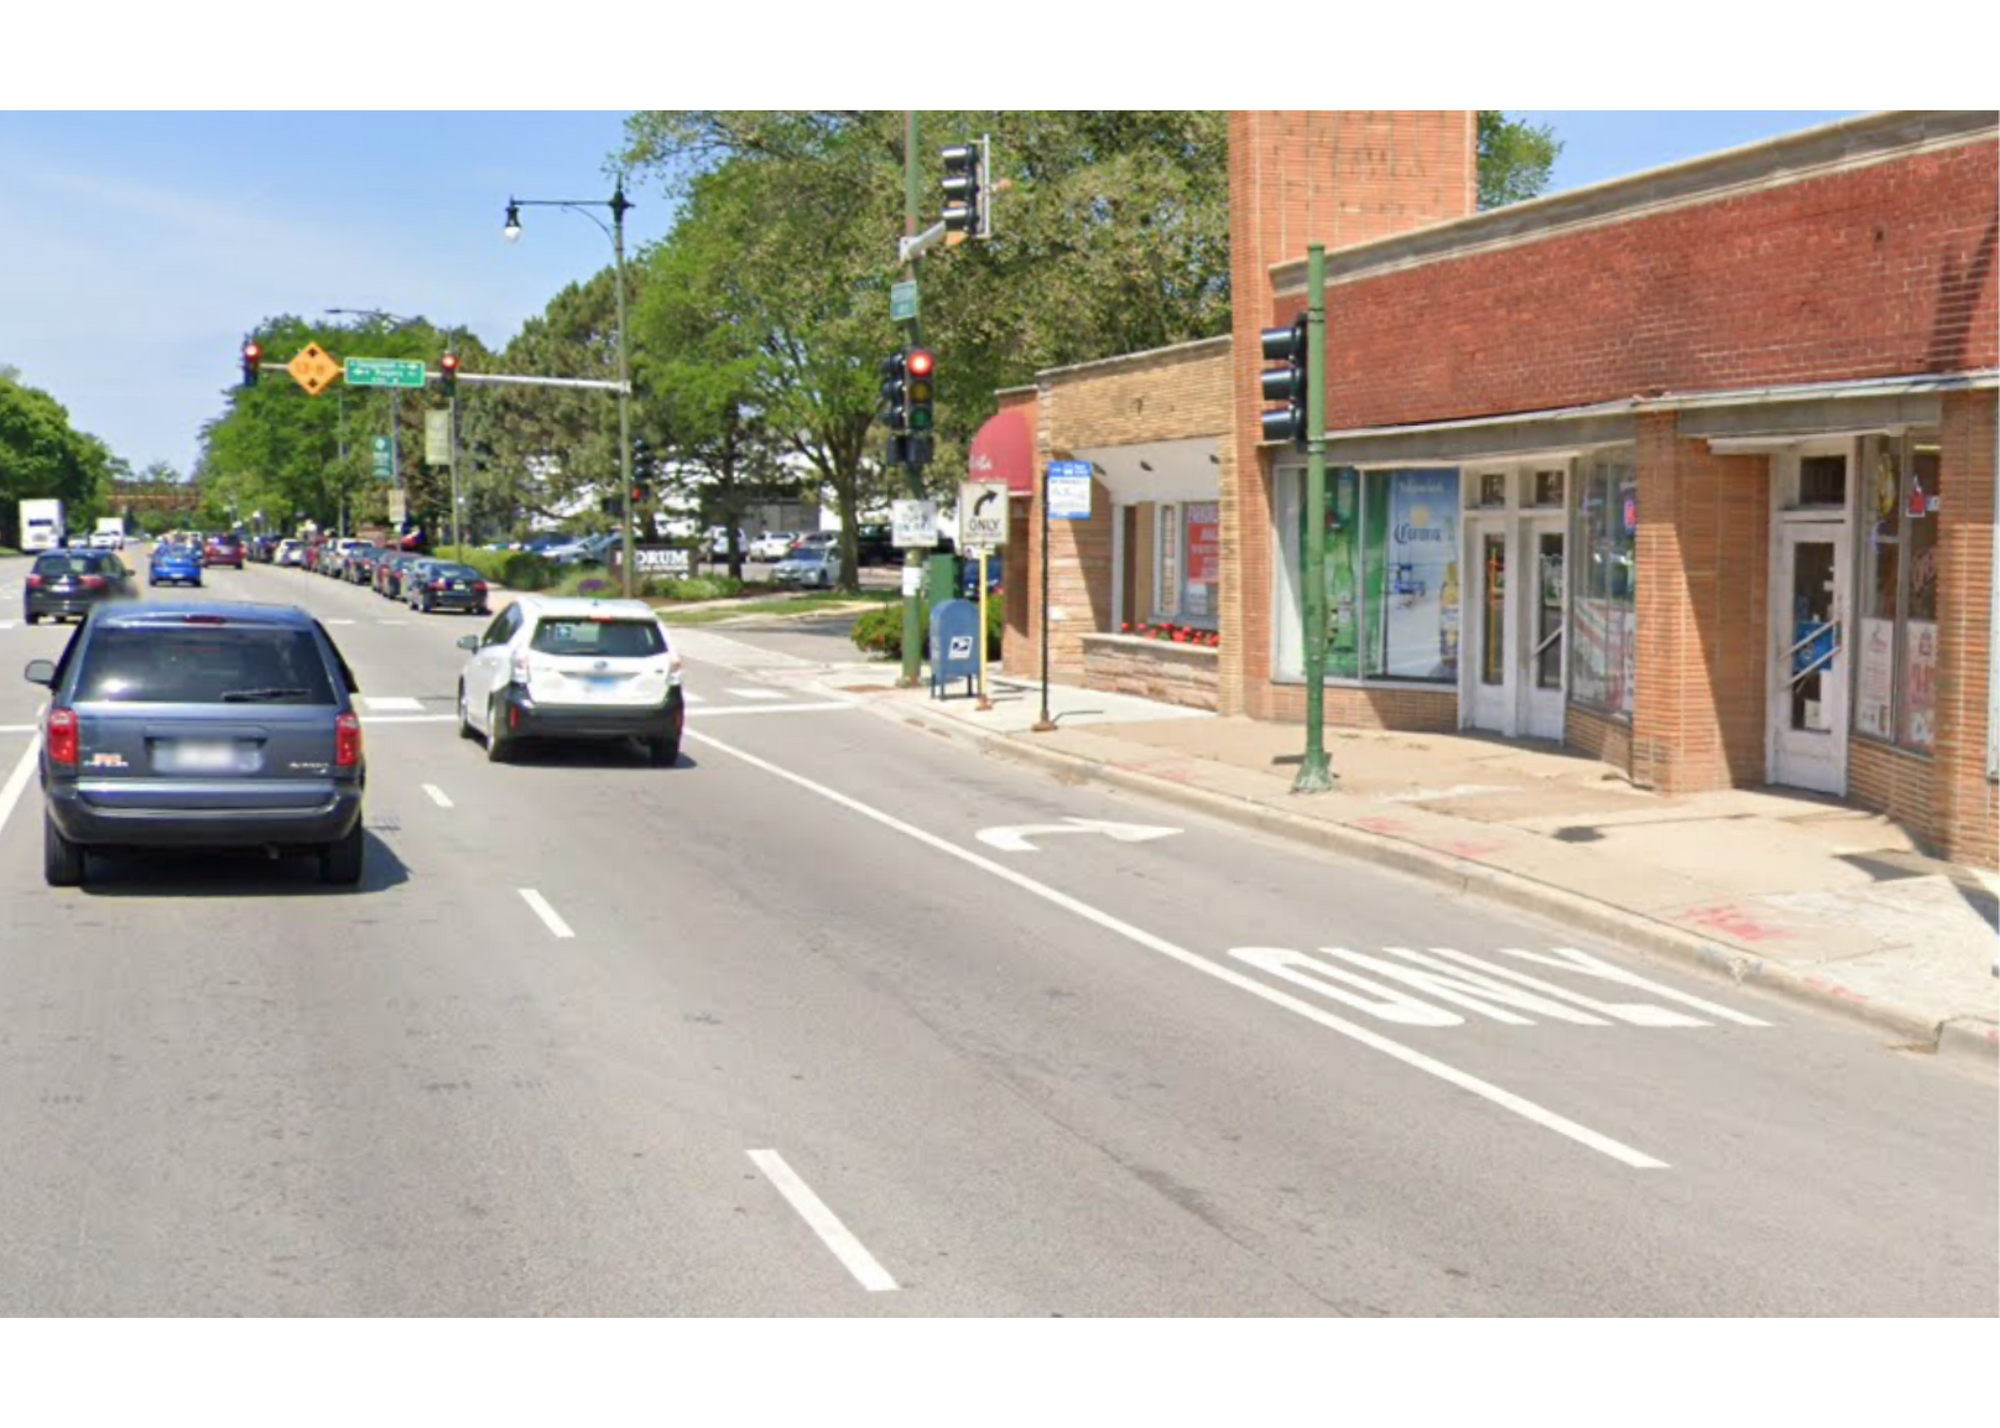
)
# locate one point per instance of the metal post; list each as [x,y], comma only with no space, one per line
[913,631]
[1315,773]
[457,542]
[1045,725]
[984,701]
[618,207]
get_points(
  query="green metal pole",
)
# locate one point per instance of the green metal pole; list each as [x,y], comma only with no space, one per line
[913,626]
[1315,773]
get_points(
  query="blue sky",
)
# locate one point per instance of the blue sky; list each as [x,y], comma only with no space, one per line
[138,248]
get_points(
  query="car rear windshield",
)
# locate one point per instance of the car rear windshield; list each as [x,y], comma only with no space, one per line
[203,664]
[602,638]
[452,572]
[68,565]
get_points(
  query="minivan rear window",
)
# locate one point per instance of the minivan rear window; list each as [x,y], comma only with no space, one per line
[604,638]
[68,565]
[203,664]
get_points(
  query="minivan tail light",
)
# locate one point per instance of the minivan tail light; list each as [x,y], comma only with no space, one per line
[346,741]
[62,737]
[479,587]
[94,582]
[34,582]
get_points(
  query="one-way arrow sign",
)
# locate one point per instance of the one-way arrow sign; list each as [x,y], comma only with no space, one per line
[1015,840]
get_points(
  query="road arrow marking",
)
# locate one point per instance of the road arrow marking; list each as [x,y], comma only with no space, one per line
[1015,840]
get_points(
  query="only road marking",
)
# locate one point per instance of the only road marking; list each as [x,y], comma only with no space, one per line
[18,780]
[437,795]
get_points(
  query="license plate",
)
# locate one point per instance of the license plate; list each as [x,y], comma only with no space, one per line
[193,756]
[458,584]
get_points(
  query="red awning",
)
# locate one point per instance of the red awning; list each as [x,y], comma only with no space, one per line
[1004,450]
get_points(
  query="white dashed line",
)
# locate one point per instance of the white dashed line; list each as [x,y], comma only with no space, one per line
[392,622]
[18,780]
[375,719]
[769,709]
[546,913]
[340,622]
[756,694]
[392,704]
[6,624]
[823,1222]
[17,728]
[437,795]
[694,698]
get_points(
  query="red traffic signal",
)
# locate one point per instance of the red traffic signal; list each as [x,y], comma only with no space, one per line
[921,363]
[253,355]
[448,371]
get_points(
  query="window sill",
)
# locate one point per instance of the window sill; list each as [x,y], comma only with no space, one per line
[1436,686]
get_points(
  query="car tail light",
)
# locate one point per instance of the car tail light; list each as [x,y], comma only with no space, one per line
[34,582]
[94,582]
[346,741]
[438,584]
[479,587]
[62,737]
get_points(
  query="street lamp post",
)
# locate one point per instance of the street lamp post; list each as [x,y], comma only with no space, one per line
[619,206]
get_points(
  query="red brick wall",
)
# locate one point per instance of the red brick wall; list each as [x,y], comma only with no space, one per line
[1337,177]
[1964,799]
[1599,735]
[1352,707]
[1895,782]
[1874,271]
[1020,652]
[1703,579]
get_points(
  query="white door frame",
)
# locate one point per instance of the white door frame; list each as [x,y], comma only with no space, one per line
[1797,759]
[1497,710]
[1525,592]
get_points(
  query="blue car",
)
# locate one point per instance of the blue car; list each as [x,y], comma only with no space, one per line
[174,565]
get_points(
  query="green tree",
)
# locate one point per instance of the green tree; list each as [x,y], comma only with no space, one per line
[1515,158]
[42,455]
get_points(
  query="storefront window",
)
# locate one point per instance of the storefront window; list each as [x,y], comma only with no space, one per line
[1604,610]
[1392,578]
[1187,562]
[1895,694]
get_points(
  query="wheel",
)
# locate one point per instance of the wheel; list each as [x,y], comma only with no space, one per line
[34,618]
[340,863]
[499,748]
[664,753]
[465,729]
[424,604]
[62,860]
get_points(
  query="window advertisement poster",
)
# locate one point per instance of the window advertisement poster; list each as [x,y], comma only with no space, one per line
[1204,555]
[1168,582]
[1875,682]
[1421,559]
[1920,684]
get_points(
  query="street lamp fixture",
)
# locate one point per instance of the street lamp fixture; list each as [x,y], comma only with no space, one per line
[619,206]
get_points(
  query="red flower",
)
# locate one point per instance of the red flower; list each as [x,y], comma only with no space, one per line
[1125,628]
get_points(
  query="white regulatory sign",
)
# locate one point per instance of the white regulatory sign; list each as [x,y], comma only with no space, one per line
[914,524]
[982,515]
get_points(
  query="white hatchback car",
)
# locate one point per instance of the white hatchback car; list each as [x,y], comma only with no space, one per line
[548,668]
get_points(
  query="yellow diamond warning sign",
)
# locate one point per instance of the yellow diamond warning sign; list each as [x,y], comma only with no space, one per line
[314,369]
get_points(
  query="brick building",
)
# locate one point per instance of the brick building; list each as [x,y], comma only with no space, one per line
[1693,471]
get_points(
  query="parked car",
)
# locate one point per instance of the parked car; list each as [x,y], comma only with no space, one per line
[815,538]
[772,545]
[389,573]
[222,549]
[589,550]
[432,585]
[174,564]
[814,565]
[201,725]
[572,669]
[107,540]
[67,584]
[289,552]
[360,568]
[876,546]
[715,542]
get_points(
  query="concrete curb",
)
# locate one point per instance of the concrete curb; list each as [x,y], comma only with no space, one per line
[1961,1038]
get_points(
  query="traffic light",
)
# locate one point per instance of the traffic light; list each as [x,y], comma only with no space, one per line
[639,493]
[448,374]
[894,410]
[253,355]
[966,211]
[921,365]
[1286,384]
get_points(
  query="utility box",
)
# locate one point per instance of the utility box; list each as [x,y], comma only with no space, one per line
[955,636]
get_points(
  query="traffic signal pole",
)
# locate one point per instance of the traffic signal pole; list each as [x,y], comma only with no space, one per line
[1315,773]
[913,633]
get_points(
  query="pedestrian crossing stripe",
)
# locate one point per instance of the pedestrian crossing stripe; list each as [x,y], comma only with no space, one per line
[757,694]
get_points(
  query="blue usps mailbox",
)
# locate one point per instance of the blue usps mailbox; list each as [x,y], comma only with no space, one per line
[954,645]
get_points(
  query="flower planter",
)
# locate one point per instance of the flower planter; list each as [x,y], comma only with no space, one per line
[1173,673]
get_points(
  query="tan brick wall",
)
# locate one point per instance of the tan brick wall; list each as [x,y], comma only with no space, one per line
[1152,669]
[1703,576]
[1599,735]
[1352,707]
[1896,782]
[1962,795]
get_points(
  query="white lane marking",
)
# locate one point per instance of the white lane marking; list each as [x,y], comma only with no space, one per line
[694,698]
[375,719]
[339,622]
[757,693]
[770,709]
[391,704]
[546,913]
[823,1222]
[437,795]
[6,624]
[18,728]
[1486,1090]
[18,780]
[1015,839]
[392,622]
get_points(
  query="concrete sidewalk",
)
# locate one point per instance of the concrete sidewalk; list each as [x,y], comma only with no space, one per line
[1795,892]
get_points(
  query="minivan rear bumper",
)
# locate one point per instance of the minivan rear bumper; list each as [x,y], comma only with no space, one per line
[105,823]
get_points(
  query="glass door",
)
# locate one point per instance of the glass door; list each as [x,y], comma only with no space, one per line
[1491,679]
[1542,646]
[1808,686]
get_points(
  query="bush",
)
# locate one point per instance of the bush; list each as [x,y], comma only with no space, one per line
[516,569]
[699,587]
[880,631]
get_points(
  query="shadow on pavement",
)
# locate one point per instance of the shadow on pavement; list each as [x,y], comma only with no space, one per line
[234,873]
[527,755]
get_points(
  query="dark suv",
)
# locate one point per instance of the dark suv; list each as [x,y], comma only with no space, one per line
[71,582]
[183,725]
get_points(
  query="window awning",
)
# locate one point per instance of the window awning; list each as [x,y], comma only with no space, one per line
[1004,450]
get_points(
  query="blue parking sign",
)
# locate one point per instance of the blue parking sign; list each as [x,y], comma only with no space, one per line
[1069,490]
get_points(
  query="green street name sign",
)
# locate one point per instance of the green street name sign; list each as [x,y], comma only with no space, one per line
[902,301]
[383,372]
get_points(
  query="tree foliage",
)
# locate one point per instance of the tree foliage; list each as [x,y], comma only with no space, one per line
[1515,158]
[42,455]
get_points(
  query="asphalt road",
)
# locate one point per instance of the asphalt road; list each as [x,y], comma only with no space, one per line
[812,1045]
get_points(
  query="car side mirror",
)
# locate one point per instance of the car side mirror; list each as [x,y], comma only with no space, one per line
[468,642]
[41,671]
